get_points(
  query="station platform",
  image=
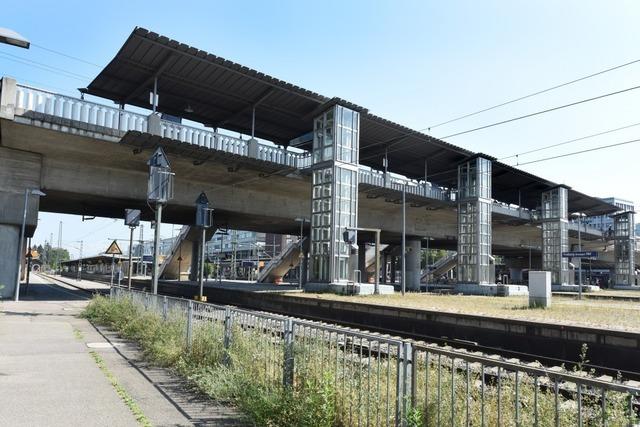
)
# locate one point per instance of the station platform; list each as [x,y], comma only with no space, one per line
[55,364]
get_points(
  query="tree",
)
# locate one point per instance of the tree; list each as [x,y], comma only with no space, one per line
[208,269]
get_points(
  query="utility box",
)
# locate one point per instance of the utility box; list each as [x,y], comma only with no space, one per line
[539,289]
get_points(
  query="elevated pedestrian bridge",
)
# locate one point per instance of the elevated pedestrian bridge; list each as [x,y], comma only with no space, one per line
[78,116]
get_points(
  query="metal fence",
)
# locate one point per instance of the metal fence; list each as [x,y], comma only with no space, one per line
[381,380]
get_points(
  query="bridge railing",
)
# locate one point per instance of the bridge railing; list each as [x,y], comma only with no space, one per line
[30,99]
[375,379]
[377,178]
[76,109]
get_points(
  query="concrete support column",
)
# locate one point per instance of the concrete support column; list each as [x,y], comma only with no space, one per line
[413,265]
[153,124]
[362,261]
[19,172]
[9,241]
[555,235]
[7,98]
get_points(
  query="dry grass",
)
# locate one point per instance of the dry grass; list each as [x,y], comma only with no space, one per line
[609,314]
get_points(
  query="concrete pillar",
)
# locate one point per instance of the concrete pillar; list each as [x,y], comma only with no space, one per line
[413,265]
[19,171]
[7,98]
[153,124]
[9,240]
[555,234]
[474,220]
[362,261]
[252,148]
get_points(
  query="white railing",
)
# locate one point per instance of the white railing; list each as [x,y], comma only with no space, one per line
[410,186]
[29,99]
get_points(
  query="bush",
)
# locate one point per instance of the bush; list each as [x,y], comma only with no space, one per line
[246,380]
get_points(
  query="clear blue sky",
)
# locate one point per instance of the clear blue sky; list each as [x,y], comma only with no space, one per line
[415,62]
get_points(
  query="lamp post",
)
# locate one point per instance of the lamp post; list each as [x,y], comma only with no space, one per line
[203,219]
[27,192]
[160,191]
[12,38]
[579,215]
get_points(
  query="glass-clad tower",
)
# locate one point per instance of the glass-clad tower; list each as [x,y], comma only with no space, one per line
[624,245]
[555,234]
[334,203]
[474,220]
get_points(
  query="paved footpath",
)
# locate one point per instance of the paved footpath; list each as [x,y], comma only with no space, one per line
[49,378]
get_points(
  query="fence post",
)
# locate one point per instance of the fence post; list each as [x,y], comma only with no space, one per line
[226,339]
[287,372]
[189,324]
[399,383]
[165,307]
[412,373]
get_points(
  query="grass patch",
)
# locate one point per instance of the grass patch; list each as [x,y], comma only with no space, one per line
[339,381]
[607,314]
[124,395]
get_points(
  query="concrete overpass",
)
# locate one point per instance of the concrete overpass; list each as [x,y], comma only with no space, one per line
[91,159]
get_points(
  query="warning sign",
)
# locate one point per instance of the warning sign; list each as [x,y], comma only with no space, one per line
[113,249]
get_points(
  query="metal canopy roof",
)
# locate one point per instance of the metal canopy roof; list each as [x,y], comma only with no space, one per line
[202,87]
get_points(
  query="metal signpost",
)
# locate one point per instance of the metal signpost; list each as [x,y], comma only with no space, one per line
[113,250]
[203,219]
[132,219]
[580,255]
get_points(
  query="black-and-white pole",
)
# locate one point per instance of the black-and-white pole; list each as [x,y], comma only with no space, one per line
[156,249]
[202,255]
[130,256]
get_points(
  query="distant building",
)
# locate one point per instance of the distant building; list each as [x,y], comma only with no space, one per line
[247,245]
[605,222]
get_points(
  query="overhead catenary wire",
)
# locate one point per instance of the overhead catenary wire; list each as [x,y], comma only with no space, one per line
[537,113]
[75,58]
[44,67]
[521,98]
[582,138]
[559,156]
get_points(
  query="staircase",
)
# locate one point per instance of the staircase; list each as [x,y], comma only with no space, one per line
[173,255]
[440,267]
[279,266]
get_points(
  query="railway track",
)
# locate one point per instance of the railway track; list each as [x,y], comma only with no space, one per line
[187,291]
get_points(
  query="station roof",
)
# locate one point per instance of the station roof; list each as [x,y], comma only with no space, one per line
[205,88]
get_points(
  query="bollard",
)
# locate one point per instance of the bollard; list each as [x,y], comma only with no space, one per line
[189,325]
[165,308]
[287,375]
